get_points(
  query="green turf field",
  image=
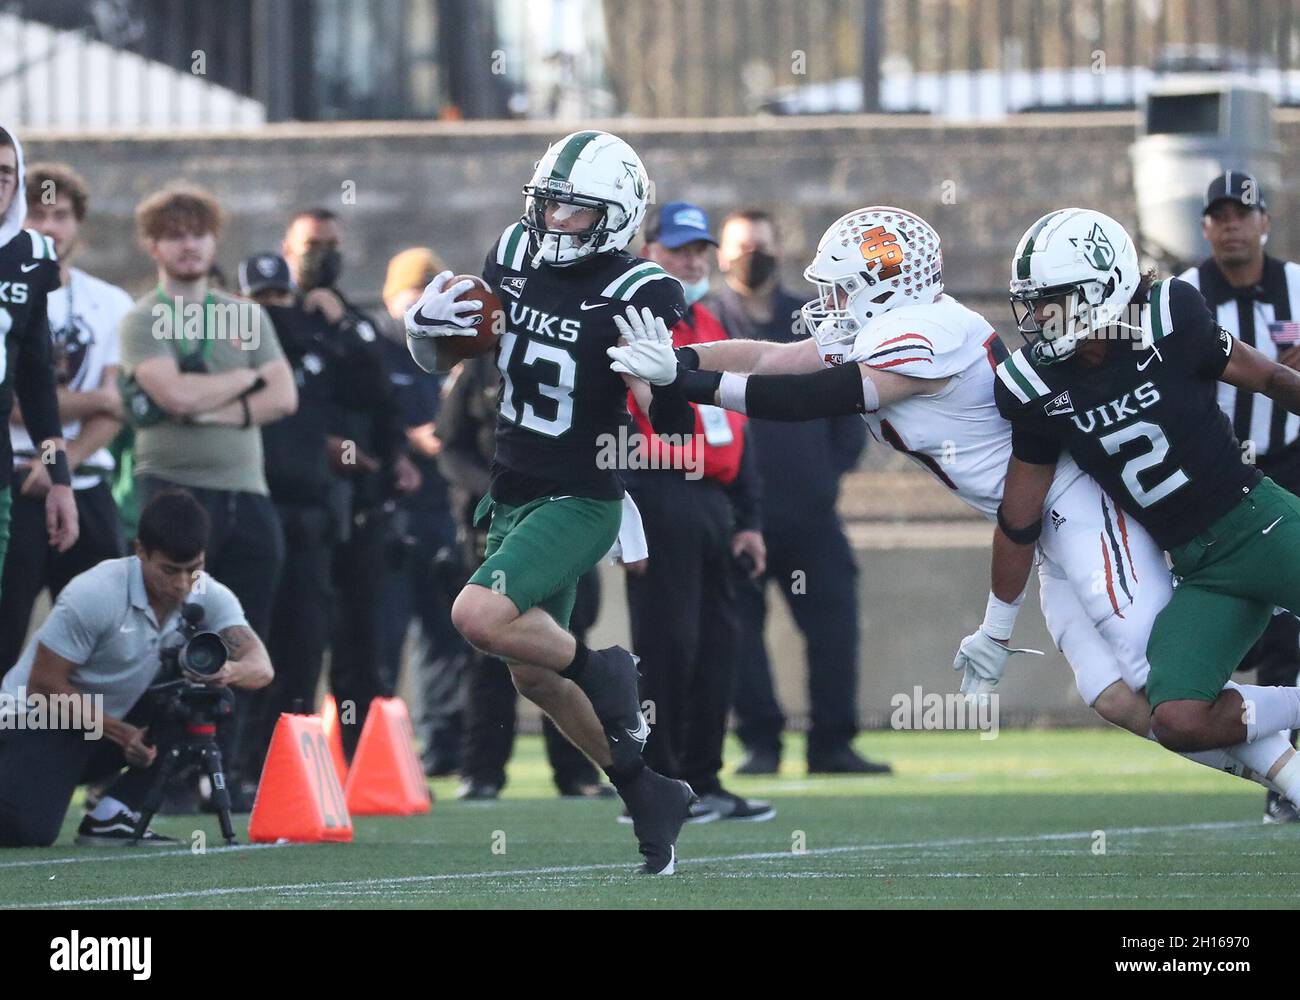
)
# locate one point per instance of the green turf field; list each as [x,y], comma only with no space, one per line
[1006,822]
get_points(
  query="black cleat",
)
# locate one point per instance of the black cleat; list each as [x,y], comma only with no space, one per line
[845,760]
[472,790]
[730,806]
[760,762]
[117,831]
[1279,810]
[659,807]
[587,790]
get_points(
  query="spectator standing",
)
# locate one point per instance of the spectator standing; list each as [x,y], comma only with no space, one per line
[699,503]
[368,448]
[808,555]
[423,527]
[203,371]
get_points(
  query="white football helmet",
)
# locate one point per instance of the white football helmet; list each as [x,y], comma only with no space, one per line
[587,169]
[869,262]
[1086,263]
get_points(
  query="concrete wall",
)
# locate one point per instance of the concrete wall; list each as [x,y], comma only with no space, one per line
[457,186]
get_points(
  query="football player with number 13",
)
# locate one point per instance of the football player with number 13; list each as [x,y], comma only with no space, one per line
[563,274]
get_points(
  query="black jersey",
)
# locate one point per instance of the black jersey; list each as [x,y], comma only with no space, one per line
[29,271]
[559,405]
[1145,423]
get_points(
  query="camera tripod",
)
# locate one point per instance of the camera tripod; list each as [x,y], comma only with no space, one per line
[196,745]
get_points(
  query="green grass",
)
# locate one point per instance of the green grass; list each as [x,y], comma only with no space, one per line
[1002,823]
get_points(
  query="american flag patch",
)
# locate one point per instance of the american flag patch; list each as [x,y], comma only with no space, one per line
[1284,332]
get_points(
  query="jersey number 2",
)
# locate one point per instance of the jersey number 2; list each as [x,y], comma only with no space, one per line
[1154,435]
[561,390]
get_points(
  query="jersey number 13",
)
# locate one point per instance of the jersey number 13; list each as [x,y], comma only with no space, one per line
[542,360]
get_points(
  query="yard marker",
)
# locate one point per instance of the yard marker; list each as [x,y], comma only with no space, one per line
[329,721]
[386,779]
[299,797]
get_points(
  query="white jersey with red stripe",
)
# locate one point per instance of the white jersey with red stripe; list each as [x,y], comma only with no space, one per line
[957,432]
[1102,579]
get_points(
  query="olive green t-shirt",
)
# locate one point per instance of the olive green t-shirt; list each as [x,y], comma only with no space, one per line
[228,333]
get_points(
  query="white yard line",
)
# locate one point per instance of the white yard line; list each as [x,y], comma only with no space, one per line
[688,863]
[118,854]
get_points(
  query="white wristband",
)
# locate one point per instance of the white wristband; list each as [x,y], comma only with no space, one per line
[1000,617]
[870,396]
[731,392]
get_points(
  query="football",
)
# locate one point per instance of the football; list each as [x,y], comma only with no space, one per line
[488,324]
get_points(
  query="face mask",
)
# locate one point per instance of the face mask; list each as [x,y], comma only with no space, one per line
[319,268]
[753,269]
[696,290]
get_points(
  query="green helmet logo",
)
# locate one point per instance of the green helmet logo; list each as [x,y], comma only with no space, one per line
[1097,249]
[638,185]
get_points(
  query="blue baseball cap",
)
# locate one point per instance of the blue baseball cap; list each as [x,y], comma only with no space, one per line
[678,223]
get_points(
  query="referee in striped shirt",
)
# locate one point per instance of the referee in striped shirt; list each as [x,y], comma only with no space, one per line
[1256,298]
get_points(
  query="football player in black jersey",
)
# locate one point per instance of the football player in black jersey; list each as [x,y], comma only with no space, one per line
[1121,372]
[29,271]
[555,507]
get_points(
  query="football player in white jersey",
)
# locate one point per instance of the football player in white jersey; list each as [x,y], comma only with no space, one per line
[888,343]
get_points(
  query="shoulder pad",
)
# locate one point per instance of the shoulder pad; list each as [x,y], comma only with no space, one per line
[512,247]
[630,281]
[920,342]
[1157,319]
[1017,374]
[42,246]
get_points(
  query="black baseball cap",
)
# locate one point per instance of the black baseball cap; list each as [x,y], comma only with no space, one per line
[1235,185]
[264,272]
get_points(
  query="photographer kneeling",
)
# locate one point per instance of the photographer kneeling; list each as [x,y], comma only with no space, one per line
[106,639]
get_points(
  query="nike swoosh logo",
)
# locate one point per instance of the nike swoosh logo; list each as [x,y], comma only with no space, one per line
[596,305]
[125,630]
[642,731]
[28,267]
[1271,526]
[1143,365]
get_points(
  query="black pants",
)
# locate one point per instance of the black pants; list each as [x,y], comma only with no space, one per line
[413,590]
[31,565]
[40,770]
[814,570]
[300,627]
[245,552]
[490,701]
[356,675]
[684,624]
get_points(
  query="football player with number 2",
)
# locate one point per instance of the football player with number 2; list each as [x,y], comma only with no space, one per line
[921,368]
[563,273]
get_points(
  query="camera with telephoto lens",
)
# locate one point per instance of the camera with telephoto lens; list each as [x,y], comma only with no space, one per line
[200,652]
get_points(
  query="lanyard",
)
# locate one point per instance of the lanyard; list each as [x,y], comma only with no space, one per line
[209,300]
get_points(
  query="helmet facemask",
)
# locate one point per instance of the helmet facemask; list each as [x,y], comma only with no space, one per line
[561,247]
[828,317]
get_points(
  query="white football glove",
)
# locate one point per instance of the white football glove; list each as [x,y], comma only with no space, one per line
[436,312]
[980,660]
[648,353]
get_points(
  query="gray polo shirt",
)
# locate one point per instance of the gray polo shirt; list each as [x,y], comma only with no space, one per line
[102,621]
